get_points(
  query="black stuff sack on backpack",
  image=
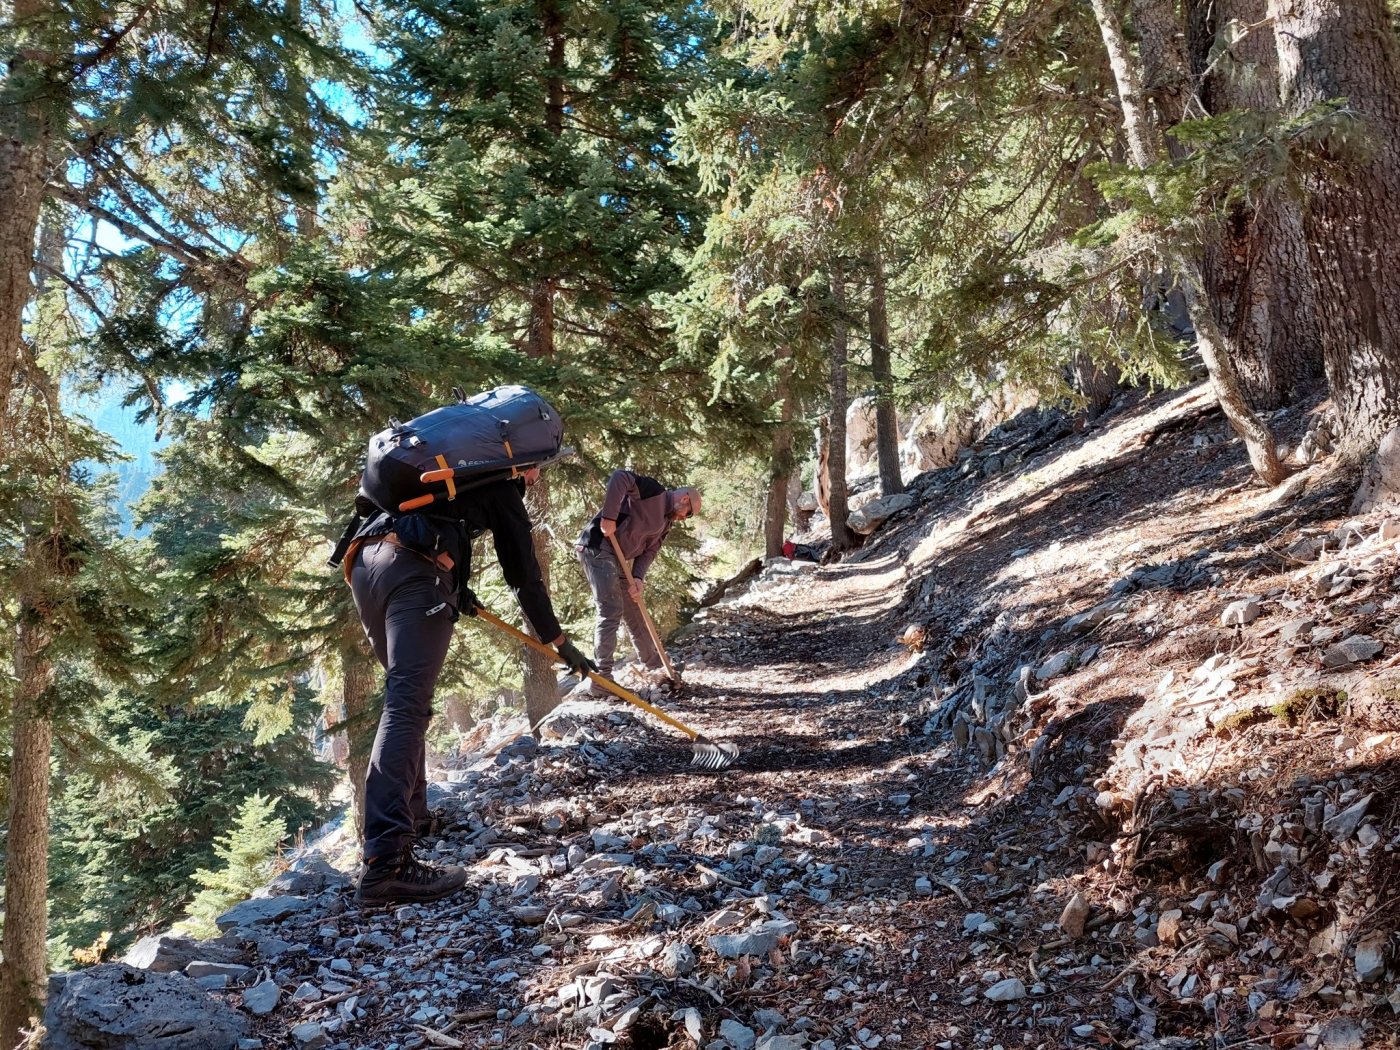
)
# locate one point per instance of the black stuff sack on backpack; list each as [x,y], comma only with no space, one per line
[497,433]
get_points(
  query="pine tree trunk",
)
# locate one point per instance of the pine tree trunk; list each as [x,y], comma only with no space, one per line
[836,430]
[1257,273]
[780,464]
[541,672]
[24,971]
[24,142]
[886,423]
[540,679]
[1347,49]
[1145,149]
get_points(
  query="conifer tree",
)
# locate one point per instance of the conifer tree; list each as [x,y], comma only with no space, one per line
[246,853]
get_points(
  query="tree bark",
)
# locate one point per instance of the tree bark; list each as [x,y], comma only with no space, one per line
[836,430]
[24,145]
[1145,149]
[1257,272]
[1347,49]
[780,464]
[886,423]
[24,971]
[540,678]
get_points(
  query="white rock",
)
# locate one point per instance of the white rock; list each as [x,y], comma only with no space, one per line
[1239,613]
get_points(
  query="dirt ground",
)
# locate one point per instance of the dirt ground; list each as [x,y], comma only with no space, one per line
[1013,774]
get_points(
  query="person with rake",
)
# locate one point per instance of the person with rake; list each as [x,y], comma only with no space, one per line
[616,549]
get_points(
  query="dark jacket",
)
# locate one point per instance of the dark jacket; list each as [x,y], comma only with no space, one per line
[640,506]
[497,507]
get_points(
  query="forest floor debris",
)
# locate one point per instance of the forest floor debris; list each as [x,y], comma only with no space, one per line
[1095,744]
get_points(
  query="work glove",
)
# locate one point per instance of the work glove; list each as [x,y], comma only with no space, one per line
[578,663]
[468,604]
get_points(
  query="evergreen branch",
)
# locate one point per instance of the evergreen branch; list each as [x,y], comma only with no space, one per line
[164,202]
[108,44]
[189,255]
[77,289]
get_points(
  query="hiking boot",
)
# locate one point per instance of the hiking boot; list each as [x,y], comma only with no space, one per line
[403,877]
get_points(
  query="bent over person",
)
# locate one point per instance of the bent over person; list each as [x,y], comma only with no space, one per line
[408,573]
[638,512]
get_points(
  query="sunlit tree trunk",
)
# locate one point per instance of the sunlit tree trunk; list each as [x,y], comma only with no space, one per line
[1257,271]
[540,672]
[24,149]
[886,421]
[1145,149]
[1329,49]
[780,463]
[840,405]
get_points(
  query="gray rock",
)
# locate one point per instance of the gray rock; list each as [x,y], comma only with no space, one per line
[1239,613]
[781,1042]
[1342,826]
[878,511]
[1341,1034]
[309,877]
[1351,650]
[207,967]
[171,953]
[1055,666]
[261,999]
[736,945]
[1006,991]
[740,1037]
[676,960]
[310,1036]
[119,1007]
[212,982]
[1370,956]
[260,910]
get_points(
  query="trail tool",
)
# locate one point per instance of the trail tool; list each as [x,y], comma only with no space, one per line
[706,753]
[651,624]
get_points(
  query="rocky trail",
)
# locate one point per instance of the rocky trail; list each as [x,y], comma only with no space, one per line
[1094,745]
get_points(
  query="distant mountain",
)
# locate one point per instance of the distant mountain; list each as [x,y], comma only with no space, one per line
[137,440]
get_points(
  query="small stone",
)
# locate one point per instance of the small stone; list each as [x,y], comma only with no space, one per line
[972,920]
[1006,991]
[1075,914]
[262,998]
[260,910]
[1055,666]
[310,1036]
[734,946]
[923,887]
[1342,826]
[1239,613]
[1169,927]
[676,960]
[1369,957]
[1341,1034]
[1351,650]
[740,1037]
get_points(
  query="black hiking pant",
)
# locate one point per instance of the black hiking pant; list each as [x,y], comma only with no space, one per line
[406,604]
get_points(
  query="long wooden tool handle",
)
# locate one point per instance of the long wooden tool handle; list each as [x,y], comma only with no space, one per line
[607,683]
[646,616]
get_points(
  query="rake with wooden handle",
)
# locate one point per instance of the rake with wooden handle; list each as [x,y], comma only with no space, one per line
[646,616]
[706,753]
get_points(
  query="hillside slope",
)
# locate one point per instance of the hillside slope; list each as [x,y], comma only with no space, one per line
[1093,746]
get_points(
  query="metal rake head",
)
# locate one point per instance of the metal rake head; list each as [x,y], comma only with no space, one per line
[707,754]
